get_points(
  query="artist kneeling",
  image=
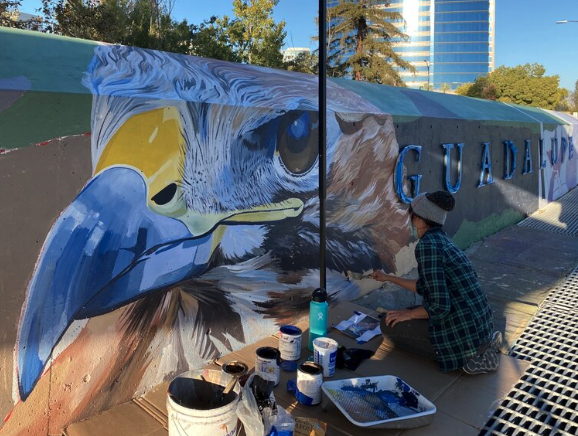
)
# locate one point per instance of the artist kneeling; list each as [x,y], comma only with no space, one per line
[455,324]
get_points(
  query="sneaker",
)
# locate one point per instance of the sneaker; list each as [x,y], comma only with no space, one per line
[487,358]
[496,342]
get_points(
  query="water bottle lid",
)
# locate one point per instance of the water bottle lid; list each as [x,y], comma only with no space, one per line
[319,295]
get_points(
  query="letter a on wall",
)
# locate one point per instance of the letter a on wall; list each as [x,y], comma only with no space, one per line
[527,159]
[486,166]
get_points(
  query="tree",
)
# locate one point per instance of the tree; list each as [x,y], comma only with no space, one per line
[255,36]
[361,46]
[211,40]
[574,98]
[303,63]
[445,87]
[524,84]
[141,23]
[10,16]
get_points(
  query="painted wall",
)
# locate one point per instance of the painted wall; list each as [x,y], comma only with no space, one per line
[160,210]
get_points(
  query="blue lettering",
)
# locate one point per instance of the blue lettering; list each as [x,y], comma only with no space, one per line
[486,166]
[511,152]
[527,159]
[448,166]
[398,175]
[554,151]
[563,147]
[542,155]
[570,148]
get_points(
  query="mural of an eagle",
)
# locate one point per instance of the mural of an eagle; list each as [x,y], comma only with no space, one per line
[199,230]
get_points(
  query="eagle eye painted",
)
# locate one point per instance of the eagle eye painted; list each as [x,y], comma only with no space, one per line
[165,195]
[297,140]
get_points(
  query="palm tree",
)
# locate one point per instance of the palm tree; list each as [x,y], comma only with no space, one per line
[361,41]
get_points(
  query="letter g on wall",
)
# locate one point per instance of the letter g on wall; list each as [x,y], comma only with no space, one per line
[398,178]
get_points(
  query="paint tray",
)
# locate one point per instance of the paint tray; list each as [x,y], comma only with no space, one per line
[383,401]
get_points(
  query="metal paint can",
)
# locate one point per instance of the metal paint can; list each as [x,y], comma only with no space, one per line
[236,369]
[290,342]
[309,381]
[325,354]
[267,362]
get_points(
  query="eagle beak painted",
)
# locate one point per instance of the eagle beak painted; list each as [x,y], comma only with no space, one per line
[129,232]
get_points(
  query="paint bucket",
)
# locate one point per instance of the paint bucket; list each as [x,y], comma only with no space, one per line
[290,342]
[194,406]
[309,381]
[267,362]
[238,369]
[325,354]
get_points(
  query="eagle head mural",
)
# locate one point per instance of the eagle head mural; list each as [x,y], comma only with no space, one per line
[198,232]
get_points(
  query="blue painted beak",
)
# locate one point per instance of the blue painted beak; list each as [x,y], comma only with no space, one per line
[105,250]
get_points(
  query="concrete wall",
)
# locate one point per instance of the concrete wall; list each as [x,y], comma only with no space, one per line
[161,210]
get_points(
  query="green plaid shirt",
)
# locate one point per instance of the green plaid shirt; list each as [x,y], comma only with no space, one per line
[460,316]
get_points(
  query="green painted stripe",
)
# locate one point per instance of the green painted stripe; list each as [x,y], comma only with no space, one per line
[470,232]
[41,116]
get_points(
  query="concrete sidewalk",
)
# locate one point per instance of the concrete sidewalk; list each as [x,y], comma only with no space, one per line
[518,267]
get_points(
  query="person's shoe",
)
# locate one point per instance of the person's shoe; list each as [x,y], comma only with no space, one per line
[487,359]
[496,342]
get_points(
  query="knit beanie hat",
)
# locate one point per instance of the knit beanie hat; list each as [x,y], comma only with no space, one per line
[433,207]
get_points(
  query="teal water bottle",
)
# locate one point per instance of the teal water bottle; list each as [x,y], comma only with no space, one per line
[317,316]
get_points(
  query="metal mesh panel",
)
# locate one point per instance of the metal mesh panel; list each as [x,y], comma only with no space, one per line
[545,399]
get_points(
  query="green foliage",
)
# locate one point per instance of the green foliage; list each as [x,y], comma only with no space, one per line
[211,40]
[10,14]
[140,23]
[574,98]
[445,87]
[359,42]
[303,63]
[524,84]
[255,36]
[252,36]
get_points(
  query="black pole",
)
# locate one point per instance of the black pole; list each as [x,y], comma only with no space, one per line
[322,136]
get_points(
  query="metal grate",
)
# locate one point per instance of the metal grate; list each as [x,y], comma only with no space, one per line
[559,216]
[545,399]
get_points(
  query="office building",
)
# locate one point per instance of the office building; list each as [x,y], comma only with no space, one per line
[451,41]
[291,53]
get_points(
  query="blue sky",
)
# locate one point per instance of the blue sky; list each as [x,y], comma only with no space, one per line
[526,30]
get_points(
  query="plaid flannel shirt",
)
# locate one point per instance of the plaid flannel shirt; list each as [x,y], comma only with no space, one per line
[460,316]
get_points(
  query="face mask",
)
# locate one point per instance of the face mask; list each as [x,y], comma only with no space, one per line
[414,234]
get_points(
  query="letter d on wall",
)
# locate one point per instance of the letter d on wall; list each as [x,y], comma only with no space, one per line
[398,175]
[511,153]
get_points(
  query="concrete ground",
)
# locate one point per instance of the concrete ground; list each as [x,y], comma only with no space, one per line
[518,267]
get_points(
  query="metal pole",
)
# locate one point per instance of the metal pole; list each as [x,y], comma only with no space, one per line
[322,136]
[427,65]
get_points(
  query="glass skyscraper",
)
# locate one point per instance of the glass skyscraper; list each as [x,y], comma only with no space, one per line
[451,41]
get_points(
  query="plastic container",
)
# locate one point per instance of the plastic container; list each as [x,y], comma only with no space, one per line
[195,408]
[317,316]
[380,402]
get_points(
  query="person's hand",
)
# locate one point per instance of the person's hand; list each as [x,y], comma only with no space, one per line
[394,316]
[380,276]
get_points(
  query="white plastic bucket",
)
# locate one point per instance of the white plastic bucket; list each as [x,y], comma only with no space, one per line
[193,407]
